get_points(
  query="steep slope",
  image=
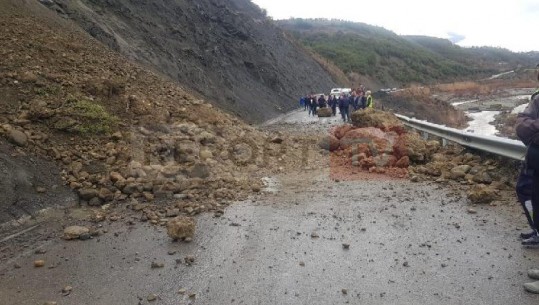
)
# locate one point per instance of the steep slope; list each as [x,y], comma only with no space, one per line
[385,59]
[118,132]
[226,51]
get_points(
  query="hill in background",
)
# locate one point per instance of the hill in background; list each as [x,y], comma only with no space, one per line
[380,58]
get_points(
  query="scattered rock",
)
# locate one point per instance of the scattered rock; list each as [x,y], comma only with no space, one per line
[471,211]
[344,291]
[39,263]
[181,227]
[67,290]
[74,232]
[346,246]
[314,235]
[17,137]
[482,194]
[189,259]
[329,142]
[151,297]
[277,140]
[157,265]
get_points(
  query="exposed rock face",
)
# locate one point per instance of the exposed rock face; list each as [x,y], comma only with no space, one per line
[227,51]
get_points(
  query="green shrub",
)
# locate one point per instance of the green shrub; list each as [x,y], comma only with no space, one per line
[91,117]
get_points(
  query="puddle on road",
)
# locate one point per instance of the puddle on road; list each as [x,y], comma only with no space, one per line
[271,185]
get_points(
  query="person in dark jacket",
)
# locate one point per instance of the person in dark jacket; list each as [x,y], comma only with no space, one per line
[527,129]
[322,101]
[344,103]
[314,105]
[333,104]
[355,100]
[362,100]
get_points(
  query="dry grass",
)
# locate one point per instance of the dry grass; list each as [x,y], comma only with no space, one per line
[471,88]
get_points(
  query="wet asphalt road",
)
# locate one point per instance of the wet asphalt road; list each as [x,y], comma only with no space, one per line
[409,243]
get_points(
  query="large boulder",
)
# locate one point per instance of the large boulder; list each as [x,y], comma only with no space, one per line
[330,142]
[378,140]
[181,227]
[74,232]
[340,131]
[376,118]
[324,112]
[17,137]
[411,145]
[482,194]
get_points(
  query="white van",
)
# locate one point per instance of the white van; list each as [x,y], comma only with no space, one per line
[338,91]
[335,91]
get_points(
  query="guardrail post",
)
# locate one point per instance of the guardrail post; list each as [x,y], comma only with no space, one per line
[425,135]
[444,142]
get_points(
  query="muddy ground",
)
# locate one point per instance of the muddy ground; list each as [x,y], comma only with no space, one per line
[407,243]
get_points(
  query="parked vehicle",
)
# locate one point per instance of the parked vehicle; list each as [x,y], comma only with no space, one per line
[338,91]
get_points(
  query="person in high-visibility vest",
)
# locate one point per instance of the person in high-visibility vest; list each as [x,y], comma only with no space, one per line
[370,103]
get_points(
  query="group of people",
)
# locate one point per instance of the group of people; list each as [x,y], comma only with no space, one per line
[346,102]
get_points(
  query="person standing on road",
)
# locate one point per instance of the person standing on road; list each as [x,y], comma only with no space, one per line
[370,102]
[334,106]
[302,103]
[344,103]
[527,129]
[353,102]
[322,101]
[363,100]
[314,104]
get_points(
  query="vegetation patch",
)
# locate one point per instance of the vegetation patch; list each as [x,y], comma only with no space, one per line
[86,117]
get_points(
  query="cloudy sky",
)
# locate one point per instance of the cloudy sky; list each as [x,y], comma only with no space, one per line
[511,24]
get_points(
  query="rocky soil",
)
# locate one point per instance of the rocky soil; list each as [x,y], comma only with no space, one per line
[121,134]
[229,52]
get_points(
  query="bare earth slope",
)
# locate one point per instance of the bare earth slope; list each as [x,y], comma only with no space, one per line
[119,132]
[227,51]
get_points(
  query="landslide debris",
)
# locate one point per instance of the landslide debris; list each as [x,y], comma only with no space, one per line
[121,133]
[377,142]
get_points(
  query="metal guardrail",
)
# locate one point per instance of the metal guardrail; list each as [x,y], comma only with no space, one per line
[500,146]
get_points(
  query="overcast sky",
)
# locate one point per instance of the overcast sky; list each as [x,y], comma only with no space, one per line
[511,24]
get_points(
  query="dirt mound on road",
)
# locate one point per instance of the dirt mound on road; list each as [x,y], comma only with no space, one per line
[121,133]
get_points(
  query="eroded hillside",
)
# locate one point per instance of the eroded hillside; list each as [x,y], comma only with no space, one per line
[226,51]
